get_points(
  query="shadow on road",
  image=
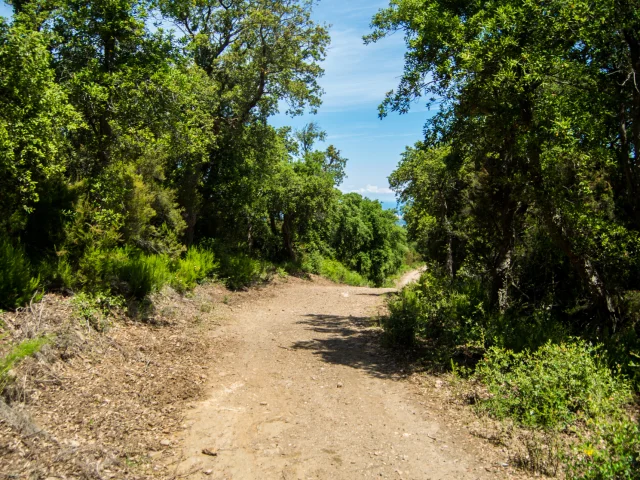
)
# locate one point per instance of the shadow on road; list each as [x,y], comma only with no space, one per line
[348,341]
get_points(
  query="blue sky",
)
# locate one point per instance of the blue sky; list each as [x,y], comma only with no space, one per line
[355,82]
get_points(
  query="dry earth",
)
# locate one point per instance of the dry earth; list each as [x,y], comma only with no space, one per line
[302,389]
[288,381]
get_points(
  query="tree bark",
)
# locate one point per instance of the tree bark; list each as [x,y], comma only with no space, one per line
[287,237]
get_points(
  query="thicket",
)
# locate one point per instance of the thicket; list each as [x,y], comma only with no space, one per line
[523,198]
[135,149]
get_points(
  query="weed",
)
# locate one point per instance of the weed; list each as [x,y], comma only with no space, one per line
[20,351]
[95,309]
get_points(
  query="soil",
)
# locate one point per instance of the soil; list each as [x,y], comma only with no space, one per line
[287,381]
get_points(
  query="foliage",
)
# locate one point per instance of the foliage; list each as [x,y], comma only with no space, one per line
[34,113]
[526,181]
[239,270]
[143,274]
[613,451]
[367,239]
[552,387]
[124,144]
[124,271]
[18,352]
[197,265]
[95,308]
[17,283]
[333,270]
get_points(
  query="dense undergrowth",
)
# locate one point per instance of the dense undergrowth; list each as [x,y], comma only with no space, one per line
[576,395]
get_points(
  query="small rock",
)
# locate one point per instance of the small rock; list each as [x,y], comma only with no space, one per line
[165,442]
[340,385]
[208,472]
[263,403]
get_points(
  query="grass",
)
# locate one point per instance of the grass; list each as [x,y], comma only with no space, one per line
[17,353]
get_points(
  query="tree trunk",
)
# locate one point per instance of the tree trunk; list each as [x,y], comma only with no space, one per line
[287,237]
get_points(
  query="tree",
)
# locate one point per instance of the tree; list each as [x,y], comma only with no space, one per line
[35,122]
[530,108]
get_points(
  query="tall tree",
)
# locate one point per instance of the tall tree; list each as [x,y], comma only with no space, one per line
[529,106]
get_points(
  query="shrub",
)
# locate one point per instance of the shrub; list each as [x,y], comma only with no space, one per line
[433,308]
[58,274]
[17,284]
[401,325]
[337,272]
[332,269]
[95,308]
[240,270]
[144,274]
[552,387]
[197,265]
[125,271]
[612,452]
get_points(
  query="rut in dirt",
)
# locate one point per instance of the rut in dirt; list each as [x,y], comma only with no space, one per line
[303,389]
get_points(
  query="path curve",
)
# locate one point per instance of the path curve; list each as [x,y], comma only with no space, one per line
[302,389]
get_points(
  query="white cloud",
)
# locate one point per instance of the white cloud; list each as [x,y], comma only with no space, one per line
[374,189]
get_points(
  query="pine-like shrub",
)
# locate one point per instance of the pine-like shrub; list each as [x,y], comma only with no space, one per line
[17,283]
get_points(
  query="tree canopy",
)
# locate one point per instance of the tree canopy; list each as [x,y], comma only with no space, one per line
[524,189]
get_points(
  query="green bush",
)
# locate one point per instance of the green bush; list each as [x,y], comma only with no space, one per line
[144,274]
[433,308]
[197,265]
[240,270]
[58,274]
[552,387]
[612,452]
[124,271]
[17,283]
[95,308]
[405,312]
[332,269]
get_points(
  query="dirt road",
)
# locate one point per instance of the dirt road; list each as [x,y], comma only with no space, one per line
[302,389]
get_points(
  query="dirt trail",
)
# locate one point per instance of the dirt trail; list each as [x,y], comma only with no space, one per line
[302,389]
